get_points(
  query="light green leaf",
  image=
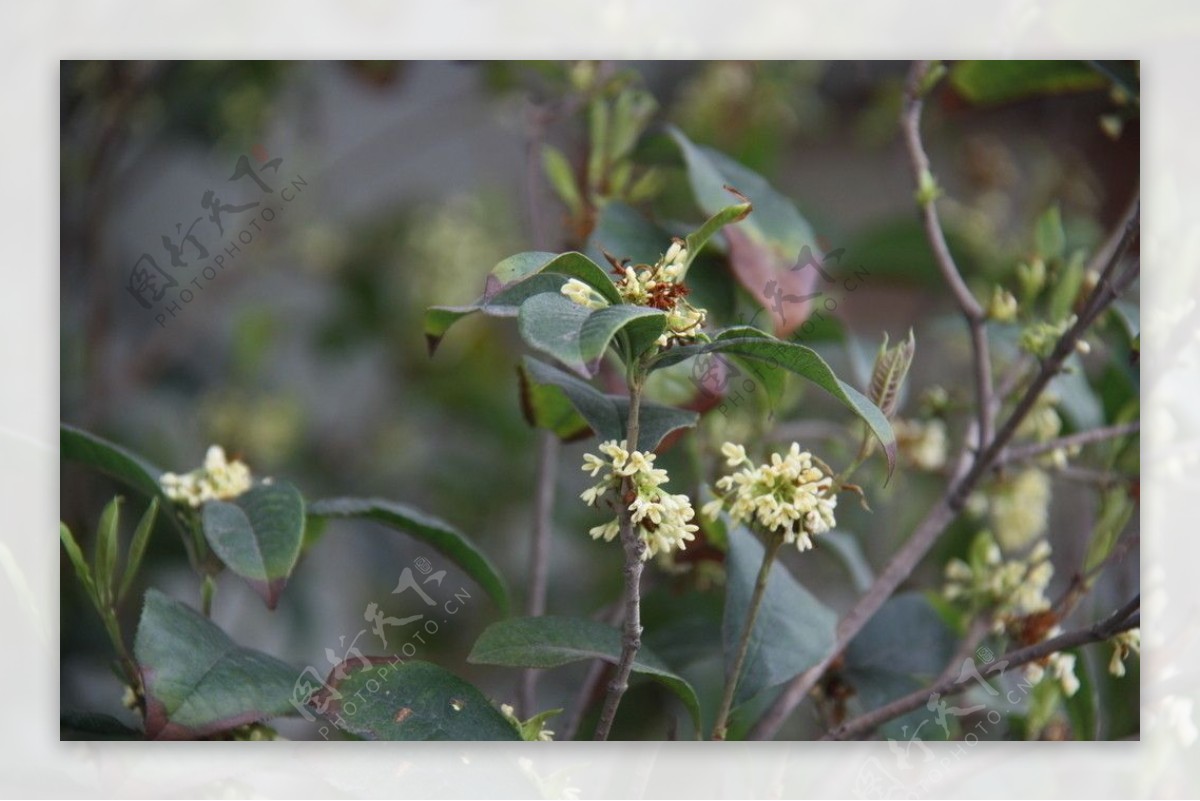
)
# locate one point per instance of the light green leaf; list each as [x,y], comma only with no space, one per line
[258,535]
[200,682]
[562,177]
[793,630]
[82,571]
[137,549]
[549,642]
[1049,238]
[547,406]
[441,535]
[803,361]
[107,542]
[986,82]
[386,698]
[726,216]
[1116,508]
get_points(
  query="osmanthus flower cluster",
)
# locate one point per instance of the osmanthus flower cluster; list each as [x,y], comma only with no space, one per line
[218,479]
[1014,591]
[658,286]
[662,519]
[790,495]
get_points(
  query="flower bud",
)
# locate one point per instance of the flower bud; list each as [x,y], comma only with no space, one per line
[891,368]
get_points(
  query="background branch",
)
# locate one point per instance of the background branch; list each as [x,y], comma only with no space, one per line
[910,125]
[1082,438]
[1125,618]
[947,507]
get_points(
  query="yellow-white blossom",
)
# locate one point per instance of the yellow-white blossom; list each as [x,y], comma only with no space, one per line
[583,294]
[1018,507]
[922,444]
[1124,644]
[658,286]
[218,479]
[662,519]
[790,495]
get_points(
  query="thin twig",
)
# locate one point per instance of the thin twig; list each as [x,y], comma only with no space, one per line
[1125,618]
[947,507]
[1090,437]
[539,546]
[910,124]
[634,546]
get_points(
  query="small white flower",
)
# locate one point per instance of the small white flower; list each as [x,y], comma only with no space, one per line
[1124,644]
[583,294]
[218,479]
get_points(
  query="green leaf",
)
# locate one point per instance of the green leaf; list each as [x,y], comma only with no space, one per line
[258,535]
[901,648]
[1116,508]
[562,177]
[107,542]
[550,642]
[1081,707]
[384,698]
[198,681]
[436,533]
[805,362]
[846,549]
[547,406]
[137,549]
[82,571]
[985,82]
[793,630]
[93,726]
[1049,238]
[608,414]
[502,303]
[578,337]
[764,247]
[76,445]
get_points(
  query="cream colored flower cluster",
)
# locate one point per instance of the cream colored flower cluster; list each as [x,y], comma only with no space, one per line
[1013,589]
[1018,507]
[657,286]
[1061,666]
[218,479]
[789,495]
[922,444]
[662,518]
[1124,644]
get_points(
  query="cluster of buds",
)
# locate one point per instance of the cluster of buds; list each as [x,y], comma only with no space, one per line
[658,286]
[1015,592]
[630,477]
[1014,589]
[1039,338]
[1017,507]
[789,496]
[218,479]
[1003,306]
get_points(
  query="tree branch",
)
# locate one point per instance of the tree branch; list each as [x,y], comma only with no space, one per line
[947,507]
[631,540]
[910,125]
[1095,435]
[1125,618]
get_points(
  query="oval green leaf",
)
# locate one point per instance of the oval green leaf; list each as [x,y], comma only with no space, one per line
[437,533]
[549,642]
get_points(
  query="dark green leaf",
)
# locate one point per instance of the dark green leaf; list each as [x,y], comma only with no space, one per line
[793,630]
[1001,81]
[549,642]
[437,533]
[577,336]
[258,535]
[94,726]
[608,414]
[627,234]
[198,681]
[805,362]
[76,445]
[385,698]
[547,406]
[1081,707]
